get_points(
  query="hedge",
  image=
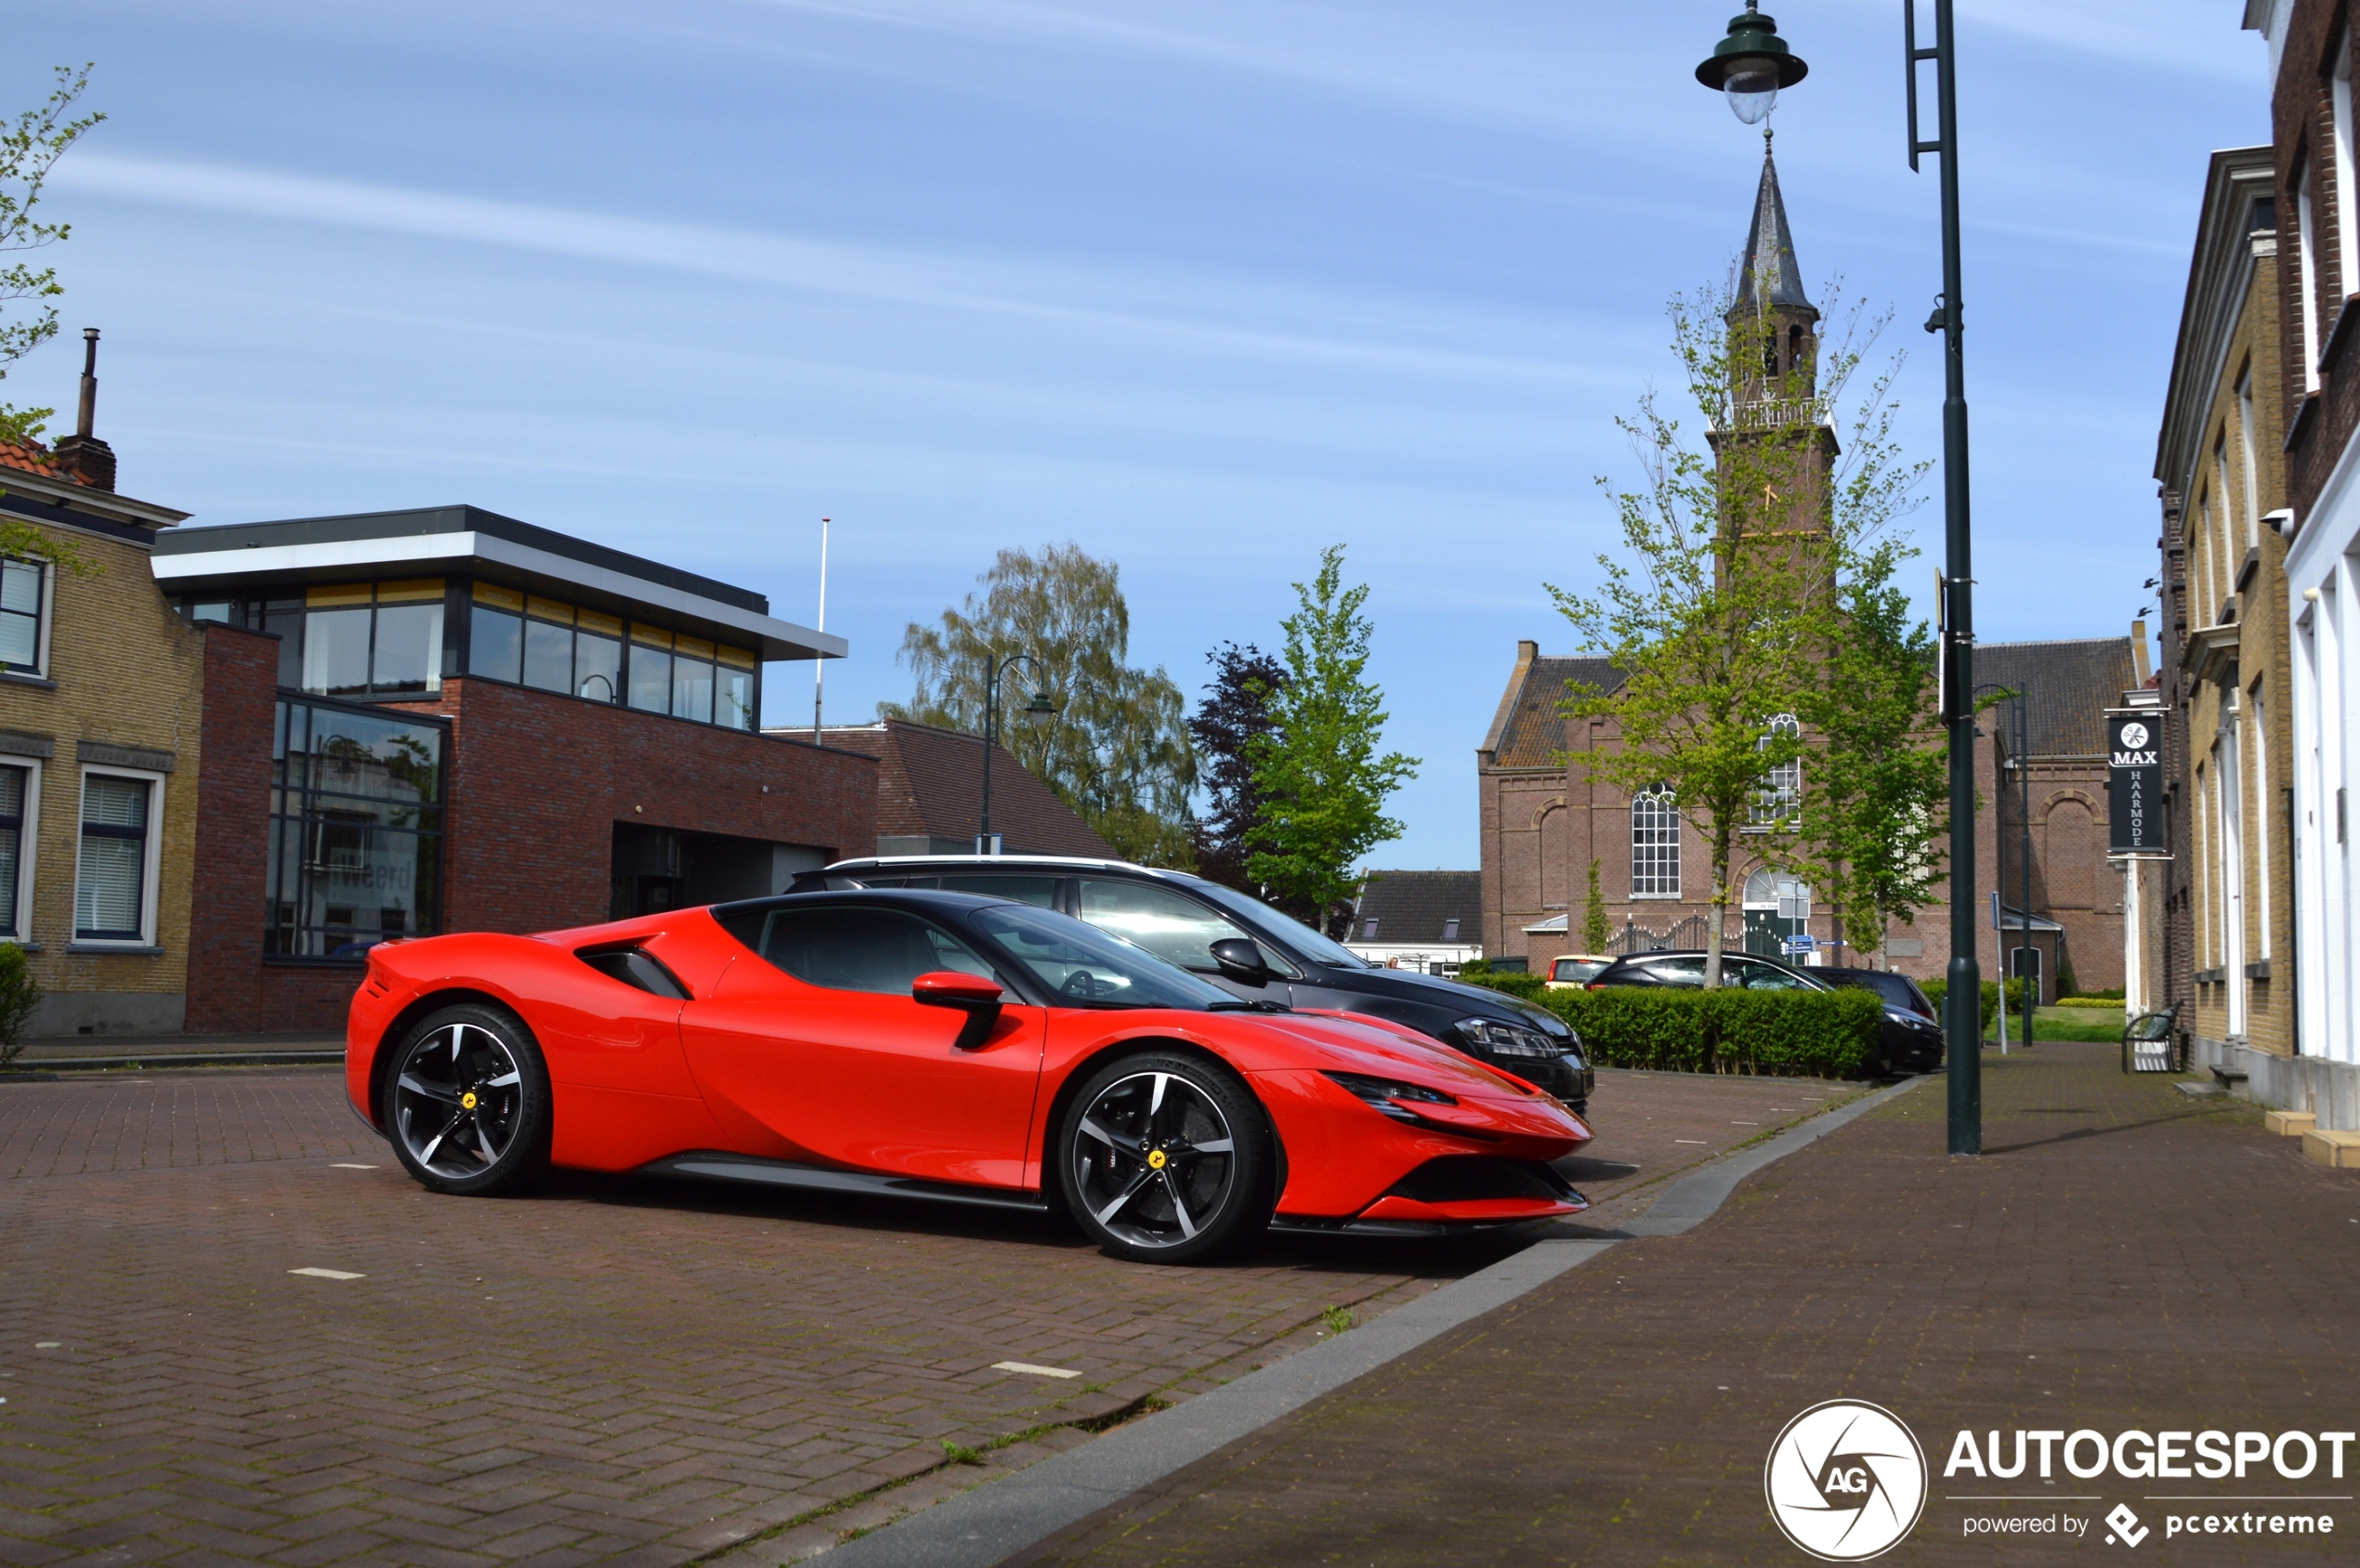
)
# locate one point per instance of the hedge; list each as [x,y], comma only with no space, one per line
[1936,990]
[1806,1034]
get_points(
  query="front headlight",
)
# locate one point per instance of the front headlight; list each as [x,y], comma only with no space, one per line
[1380,1093]
[1493,1038]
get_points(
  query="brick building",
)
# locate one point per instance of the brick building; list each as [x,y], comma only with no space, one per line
[102,689]
[2223,929]
[439,720]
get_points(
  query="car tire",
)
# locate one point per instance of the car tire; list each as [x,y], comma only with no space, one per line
[467,1104]
[1165,1157]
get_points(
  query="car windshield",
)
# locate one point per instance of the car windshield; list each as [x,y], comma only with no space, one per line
[1086,967]
[1263,921]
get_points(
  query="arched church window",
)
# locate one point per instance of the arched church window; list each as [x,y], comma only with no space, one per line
[1780,796]
[1655,844]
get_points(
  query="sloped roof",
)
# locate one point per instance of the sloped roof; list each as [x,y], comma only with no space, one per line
[31,457]
[1529,732]
[1771,275]
[2068,687]
[1417,906]
[930,785]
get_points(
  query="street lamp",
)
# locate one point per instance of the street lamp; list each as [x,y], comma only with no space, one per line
[1750,65]
[1037,713]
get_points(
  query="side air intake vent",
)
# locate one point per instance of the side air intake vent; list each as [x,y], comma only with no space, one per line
[635,966]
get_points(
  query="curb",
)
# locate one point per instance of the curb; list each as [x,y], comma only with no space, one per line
[1001,1518]
[50,1067]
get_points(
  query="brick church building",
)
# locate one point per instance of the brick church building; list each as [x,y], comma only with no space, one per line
[1544,824]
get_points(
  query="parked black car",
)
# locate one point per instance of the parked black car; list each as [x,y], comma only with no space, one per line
[1910,1040]
[1199,925]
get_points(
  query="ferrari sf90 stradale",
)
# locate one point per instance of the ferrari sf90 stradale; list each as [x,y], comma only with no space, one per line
[945,1046]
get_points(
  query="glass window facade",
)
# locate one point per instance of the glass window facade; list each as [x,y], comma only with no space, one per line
[355,829]
[363,640]
[109,888]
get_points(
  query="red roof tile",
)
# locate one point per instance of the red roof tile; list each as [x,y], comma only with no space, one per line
[31,457]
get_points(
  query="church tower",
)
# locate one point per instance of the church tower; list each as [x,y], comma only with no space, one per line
[1772,444]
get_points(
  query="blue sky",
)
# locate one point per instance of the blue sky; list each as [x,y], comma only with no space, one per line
[1203,287]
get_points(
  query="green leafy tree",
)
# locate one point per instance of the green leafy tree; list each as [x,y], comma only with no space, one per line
[1117,751]
[1235,710]
[1596,931]
[1726,597]
[1874,807]
[30,148]
[1322,780]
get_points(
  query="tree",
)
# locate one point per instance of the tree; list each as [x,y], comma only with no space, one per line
[1235,713]
[29,148]
[1596,932]
[1728,596]
[1117,751]
[1322,783]
[1875,805]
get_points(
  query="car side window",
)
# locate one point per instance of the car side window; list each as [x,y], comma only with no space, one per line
[880,950]
[1767,978]
[1039,892]
[1677,972]
[1175,928]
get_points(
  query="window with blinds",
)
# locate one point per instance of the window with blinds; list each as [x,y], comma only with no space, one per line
[111,884]
[14,787]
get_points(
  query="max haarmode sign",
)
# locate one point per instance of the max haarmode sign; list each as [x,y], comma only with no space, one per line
[2135,783]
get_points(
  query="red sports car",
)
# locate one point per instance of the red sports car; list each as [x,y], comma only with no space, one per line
[944,1046]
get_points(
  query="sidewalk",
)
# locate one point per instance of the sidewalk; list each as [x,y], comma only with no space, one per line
[84,1051]
[2122,1256]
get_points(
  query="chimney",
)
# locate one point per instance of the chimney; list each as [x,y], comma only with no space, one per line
[81,454]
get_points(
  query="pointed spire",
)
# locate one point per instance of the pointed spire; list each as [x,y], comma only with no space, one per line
[1772,278]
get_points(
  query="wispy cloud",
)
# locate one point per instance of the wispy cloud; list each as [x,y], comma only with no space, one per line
[1234,315]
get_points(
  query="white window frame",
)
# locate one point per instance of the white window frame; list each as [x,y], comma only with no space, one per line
[2258,746]
[2347,206]
[27,846]
[1665,801]
[2210,606]
[2228,509]
[2245,443]
[2306,234]
[46,615]
[151,860]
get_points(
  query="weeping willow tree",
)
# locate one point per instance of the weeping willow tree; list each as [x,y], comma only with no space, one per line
[1117,751]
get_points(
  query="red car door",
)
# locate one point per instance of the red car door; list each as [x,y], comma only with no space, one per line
[815,1039]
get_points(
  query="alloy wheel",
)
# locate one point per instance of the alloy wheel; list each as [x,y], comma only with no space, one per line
[1154,1159]
[458,1101]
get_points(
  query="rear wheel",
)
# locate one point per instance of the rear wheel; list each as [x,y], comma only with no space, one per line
[469,1103]
[1166,1158]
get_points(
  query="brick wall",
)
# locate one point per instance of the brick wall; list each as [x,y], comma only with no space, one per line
[537,782]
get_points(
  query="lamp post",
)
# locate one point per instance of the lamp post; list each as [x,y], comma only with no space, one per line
[1037,713]
[1748,67]
[2021,762]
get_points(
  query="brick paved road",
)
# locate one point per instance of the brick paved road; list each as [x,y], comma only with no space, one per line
[2122,1258]
[611,1370]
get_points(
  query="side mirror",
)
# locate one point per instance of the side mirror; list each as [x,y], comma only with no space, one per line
[971,994]
[1241,960]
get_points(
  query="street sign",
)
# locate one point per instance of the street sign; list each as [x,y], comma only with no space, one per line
[1799,944]
[2134,784]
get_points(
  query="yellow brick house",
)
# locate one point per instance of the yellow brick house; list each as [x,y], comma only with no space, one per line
[102,693]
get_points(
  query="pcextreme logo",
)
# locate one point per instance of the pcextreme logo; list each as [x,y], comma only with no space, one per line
[1845,1481]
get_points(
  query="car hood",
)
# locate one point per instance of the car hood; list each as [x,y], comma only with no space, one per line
[1346,1043]
[1436,991]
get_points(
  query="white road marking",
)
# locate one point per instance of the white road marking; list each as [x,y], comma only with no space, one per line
[1688,1140]
[327,1273]
[45,1344]
[1036,1371]
[340,1166]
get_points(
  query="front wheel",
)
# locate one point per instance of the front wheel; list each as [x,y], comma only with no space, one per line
[1166,1158]
[469,1103]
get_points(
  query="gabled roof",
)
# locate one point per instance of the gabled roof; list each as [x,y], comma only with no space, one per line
[930,785]
[1771,277]
[1528,732]
[2069,687]
[31,457]
[1418,907]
